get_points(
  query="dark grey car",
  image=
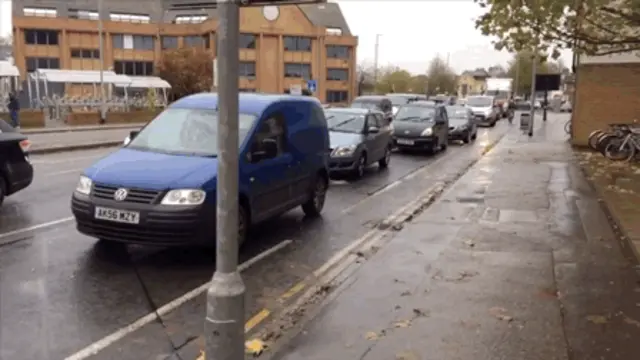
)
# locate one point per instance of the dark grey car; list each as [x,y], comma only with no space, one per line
[421,125]
[359,138]
[462,124]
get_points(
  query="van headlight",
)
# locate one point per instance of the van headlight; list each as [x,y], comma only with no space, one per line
[126,141]
[84,185]
[344,151]
[427,132]
[184,197]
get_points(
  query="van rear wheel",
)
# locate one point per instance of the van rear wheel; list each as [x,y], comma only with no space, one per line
[313,206]
[3,189]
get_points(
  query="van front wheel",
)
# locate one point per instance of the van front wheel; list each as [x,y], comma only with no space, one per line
[313,206]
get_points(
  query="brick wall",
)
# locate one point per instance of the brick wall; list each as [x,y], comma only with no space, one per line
[605,94]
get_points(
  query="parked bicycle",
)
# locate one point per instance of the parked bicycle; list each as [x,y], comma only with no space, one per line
[627,149]
[614,134]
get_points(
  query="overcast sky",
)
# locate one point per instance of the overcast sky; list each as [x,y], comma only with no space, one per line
[412,33]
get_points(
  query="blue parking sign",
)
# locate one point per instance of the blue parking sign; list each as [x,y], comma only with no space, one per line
[312,85]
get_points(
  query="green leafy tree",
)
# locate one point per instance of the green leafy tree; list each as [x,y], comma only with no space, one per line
[592,27]
[6,40]
[188,70]
[393,79]
[366,82]
[520,68]
[419,84]
[441,78]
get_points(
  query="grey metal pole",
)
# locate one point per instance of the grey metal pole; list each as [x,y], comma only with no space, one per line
[534,69]
[375,60]
[517,77]
[224,323]
[101,49]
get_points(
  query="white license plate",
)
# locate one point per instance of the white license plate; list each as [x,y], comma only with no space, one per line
[405,142]
[121,216]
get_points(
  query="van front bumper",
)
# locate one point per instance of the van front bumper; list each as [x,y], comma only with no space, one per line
[159,225]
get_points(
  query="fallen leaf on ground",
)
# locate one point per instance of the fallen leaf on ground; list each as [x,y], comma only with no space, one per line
[470,243]
[500,314]
[631,321]
[405,293]
[597,319]
[407,355]
[402,324]
[420,313]
[255,347]
[371,335]
[201,357]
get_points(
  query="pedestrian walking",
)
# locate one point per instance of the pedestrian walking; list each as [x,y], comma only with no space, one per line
[14,110]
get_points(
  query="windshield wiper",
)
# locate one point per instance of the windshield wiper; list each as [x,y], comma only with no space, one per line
[341,123]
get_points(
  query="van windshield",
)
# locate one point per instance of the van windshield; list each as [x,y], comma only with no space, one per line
[186,132]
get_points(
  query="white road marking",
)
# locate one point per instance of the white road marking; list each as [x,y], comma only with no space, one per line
[35,227]
[108,340]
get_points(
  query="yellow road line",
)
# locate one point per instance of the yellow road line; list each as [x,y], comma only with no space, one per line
[256,319]
[292,291]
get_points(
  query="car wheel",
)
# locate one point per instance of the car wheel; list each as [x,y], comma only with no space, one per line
[493,123]
[444,146]
[358,172]
[243,224]
[3,189]
[313,207]
[475,135]
[467,138]
[384,162]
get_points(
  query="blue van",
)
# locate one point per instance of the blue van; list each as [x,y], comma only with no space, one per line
[160,188]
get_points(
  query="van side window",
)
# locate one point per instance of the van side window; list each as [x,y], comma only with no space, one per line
[273,128]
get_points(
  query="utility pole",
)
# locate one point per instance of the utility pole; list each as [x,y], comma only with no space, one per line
[103,116]
[375,59]
[224,323]
[517,77]
[533,89]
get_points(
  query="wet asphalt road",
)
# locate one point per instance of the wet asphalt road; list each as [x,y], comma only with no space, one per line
[59,293]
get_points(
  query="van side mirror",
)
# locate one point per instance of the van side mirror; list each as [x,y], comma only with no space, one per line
[268,149]
[373,130]
[132,135]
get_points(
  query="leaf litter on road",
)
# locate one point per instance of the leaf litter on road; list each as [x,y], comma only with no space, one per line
[501,314]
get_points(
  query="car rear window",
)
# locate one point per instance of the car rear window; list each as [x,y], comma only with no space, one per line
[5,127]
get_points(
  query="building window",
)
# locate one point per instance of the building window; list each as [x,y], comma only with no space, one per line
[338,74]
[338,51]
[83,14]
[34,63]
[189,19]
[334,32]
[294,70]
[297,43]
[40,12]
[169,42]
[247,41]
[207,41]
[41,37]
[192,41]
[133,42]
[85,53]
[132,18]
[134,68]
[337,96]
[247,69]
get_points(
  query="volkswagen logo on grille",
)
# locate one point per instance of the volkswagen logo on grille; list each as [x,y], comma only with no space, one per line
[120,195]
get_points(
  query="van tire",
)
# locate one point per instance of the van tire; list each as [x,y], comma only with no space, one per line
[243,224]
[317,197]
[3,189]
[384,162]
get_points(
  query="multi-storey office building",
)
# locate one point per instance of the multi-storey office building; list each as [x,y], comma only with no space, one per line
[280,46]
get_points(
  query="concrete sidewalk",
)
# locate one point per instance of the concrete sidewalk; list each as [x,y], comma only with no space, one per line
[516,261]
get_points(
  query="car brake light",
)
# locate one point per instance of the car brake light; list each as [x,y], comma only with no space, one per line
[25,145]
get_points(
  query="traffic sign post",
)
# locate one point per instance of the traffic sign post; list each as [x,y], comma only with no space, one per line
[224,322]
